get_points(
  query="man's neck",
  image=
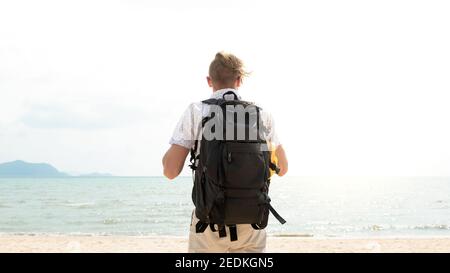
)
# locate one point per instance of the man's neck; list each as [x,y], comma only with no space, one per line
[222,88]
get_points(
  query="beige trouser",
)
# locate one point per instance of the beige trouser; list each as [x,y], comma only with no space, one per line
[249,240]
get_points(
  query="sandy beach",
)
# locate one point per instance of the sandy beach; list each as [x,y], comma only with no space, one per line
[75,244]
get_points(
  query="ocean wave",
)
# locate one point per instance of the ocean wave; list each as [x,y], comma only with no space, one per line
[303,235]
[433,227]
[13,222]
[444,207]
[78,234]
[85,205]
[111,221]
[406,227]
[377,227]
[402,227]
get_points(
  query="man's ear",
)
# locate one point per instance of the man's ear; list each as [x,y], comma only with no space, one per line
[238,82]
[209,80]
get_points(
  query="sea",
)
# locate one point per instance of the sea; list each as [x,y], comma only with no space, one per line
[348,207]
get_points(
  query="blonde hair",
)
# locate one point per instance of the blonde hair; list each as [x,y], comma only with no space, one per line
[226,68]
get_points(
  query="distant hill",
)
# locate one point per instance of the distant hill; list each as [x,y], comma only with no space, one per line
[21,168]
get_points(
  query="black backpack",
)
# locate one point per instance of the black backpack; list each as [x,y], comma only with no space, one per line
[231,173]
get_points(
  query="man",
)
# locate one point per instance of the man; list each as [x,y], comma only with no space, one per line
[226,75]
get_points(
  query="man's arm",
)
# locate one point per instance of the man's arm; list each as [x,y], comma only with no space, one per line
[173,160]
[282,160]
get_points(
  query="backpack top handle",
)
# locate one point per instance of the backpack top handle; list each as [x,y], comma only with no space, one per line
[229,93]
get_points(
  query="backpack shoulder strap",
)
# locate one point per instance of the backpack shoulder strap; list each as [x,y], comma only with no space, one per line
[193,159]
[221,100]
[211,101]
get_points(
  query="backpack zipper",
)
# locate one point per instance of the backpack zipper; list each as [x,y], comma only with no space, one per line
[229,157]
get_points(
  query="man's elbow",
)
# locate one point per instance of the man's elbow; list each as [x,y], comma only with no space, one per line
[170,171]
[170,174]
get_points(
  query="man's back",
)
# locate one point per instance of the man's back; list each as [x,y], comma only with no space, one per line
[187,131]
[218,212]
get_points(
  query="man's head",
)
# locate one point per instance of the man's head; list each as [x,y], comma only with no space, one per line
[226,71]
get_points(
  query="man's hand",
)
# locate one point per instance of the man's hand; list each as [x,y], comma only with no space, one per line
[173,161]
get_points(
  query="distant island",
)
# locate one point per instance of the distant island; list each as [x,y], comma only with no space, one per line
[20,168]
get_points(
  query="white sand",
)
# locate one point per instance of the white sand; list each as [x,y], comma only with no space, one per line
[24,243]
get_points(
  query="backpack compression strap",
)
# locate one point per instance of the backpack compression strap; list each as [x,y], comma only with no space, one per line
[194,158]
[275,214]
[200,227]
[233,233]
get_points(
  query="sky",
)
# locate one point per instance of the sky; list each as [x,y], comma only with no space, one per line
[355,87]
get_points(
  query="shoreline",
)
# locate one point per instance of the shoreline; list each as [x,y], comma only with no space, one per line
[55,243]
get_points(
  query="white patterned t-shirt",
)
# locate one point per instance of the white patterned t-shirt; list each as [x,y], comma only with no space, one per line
[188,127]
